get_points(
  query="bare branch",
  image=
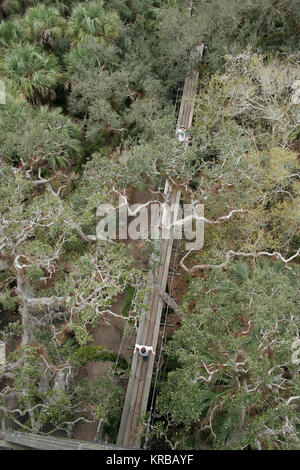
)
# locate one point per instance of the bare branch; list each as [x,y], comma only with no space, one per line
[229,254]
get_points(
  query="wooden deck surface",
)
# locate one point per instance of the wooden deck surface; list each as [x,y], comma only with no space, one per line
[139,384]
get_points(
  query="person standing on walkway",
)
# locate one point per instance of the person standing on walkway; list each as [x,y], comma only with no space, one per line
[182,136]
[144,351]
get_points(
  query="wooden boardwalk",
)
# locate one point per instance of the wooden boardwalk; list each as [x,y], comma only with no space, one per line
[139,384]
[15,440]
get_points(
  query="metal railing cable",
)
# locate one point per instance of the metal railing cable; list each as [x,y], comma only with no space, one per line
[154,393]
[152,405]
[178,92]
[167,311]
[124,330]
[176,113]
[96,438]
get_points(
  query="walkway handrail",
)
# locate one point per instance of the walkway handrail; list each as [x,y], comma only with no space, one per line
[139,383]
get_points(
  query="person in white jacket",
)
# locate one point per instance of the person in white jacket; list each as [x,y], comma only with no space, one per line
[144,351]
[182,136]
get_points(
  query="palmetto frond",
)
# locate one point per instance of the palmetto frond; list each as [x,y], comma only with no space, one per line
[240,272]
[44,23]
[111,25]
[11,33]
[91,20]
[32,71]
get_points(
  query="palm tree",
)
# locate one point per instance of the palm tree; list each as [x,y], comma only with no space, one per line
[11,33]
[44,24]
[91,20]
[33,72]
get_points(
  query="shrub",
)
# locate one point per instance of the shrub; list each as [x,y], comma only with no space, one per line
[91,353]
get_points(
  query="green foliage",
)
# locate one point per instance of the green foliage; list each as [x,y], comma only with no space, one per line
[58,412]
[93,284]
[50,139]
[100,80]
[270,26]
[11,33]
[232,356]
[129,291]
[4,275]
[137,74]
[87,54]
[106,397]
[28,371]
[59,404]
[91,20]
[44,24]
[238,134]
[7,301]
[35,272]
[240,272]
[12,329]
[12,7]
[91,352]
[32,72]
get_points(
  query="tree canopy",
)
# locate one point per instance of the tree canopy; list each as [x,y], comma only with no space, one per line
[92,94]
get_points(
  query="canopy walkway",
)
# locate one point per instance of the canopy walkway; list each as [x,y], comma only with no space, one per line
[139,384]
[15,440]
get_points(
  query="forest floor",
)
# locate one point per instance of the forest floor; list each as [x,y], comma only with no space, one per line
[110,333]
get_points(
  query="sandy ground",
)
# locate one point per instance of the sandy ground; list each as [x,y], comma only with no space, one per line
[93,370]
[110,333]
